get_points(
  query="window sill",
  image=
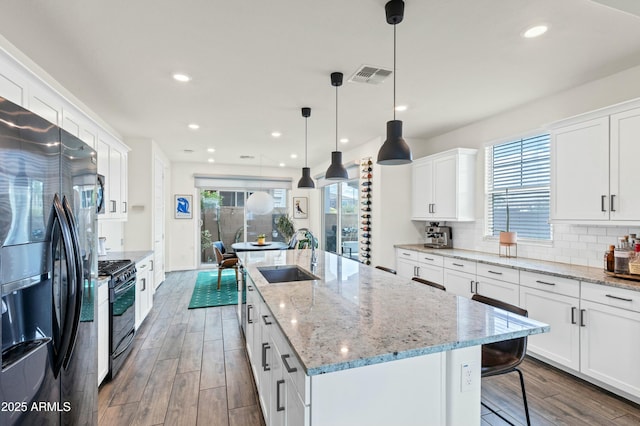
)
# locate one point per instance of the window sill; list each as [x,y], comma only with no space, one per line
[523,241]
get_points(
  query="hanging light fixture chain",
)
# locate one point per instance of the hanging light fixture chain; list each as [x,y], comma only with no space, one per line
[305,141]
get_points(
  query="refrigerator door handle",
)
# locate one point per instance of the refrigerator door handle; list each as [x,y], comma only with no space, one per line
[65,336]
[79,280]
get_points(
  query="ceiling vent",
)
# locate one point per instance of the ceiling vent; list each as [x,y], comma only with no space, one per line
[247,157]
[370,75]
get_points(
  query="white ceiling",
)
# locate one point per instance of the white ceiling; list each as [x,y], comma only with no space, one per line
[255,63]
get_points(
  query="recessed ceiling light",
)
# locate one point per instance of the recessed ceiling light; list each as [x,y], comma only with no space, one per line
[282,164]
[211,150]
[535,31]
[294,155]
[401,108]
[276,134]
[344,140]
[211,160]
[194,126]
[183,78]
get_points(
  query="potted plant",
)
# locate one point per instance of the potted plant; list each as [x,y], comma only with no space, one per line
[285,227]
[508,237]
[261,238]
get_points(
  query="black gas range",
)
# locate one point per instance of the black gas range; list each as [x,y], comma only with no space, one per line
[122,300]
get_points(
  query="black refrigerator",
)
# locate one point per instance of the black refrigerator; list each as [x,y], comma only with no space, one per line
[48,270]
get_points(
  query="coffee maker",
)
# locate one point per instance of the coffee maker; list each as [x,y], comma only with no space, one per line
[436,236]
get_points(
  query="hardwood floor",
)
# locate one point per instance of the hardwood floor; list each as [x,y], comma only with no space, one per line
[189,367]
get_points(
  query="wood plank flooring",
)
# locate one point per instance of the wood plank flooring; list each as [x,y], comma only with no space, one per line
[189,367]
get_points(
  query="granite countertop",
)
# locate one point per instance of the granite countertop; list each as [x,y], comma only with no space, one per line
[134,256]
[582,273]
[356,315]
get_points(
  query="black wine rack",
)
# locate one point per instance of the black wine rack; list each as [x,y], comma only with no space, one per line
[366,191]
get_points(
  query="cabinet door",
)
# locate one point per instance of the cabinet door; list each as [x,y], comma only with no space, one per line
[459,283]
[297,413]
[609,345]
[500,290]
[115,182]
[277,389]
[421,189]
[405,268]
[580,171]
[431,273]
[445,191]
[562,343]
[624,200]
[103,331]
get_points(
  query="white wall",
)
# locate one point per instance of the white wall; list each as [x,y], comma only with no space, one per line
[580,245]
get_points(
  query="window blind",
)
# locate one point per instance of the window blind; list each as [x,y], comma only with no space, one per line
[518,174]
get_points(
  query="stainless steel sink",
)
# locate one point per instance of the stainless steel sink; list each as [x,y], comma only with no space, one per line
[285,273]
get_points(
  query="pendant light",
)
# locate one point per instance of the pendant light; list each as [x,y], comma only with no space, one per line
[306,181]
[260,202]
[394,150]
[336,170]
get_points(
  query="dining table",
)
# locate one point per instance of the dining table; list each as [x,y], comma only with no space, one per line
[254,246]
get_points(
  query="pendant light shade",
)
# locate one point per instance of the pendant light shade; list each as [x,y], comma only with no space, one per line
[260,202]
[394,150]
[336,170]
[306,181]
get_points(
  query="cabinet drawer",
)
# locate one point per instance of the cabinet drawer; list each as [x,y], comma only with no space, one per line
[612,296]
[498,273]
[430,259]
[406,254]
[460,265]
[544,282]
[291,365]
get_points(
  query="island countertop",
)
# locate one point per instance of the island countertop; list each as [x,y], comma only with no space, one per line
[355,315]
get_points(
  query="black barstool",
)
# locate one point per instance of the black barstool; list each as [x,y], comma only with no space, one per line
[431,283]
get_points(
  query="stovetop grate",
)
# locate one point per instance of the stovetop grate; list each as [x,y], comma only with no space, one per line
[110,267]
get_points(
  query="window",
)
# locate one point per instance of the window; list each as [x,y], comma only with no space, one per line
[340,206]
[518,175]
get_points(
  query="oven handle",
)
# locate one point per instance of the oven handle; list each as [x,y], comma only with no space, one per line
[131,335]
[79,281]
[124,287]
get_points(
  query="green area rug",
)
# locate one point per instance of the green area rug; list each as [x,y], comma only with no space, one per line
[206,293]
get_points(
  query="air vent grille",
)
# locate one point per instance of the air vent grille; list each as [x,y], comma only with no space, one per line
[247,157]
[370,75]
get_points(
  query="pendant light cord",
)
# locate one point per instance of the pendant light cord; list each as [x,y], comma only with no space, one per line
[305,140]
[394,71]
[336,118]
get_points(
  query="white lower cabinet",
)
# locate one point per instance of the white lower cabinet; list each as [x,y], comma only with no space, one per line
[103,331]
[460,276]
[144,289]
[406,263]
[411,264]
[498,283]
[554,301]
[609,330]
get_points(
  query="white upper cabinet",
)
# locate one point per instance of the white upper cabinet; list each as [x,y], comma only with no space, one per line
[112,163]
[593,167]
[443,187]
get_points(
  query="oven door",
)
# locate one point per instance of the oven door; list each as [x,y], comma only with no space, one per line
[122,303]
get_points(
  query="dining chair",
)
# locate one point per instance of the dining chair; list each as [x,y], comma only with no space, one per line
[430,283]
[504,357]
[229,263]
[384,268]
[223,250]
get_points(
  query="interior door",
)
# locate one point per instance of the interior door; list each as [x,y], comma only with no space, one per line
[158,223]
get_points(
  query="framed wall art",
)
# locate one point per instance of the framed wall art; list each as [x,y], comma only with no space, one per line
[183,206]
[300,207]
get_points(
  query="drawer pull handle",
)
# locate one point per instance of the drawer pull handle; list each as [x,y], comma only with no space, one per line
[429,259]
[458,264]
[544,282]
[611,206]
[573,314]
[496,273]
[289,368]
[582,324]
[249,310]
[602,198]
[264,318]
[265,365]
[406,254]
[619,298]
[278,407]
[250,288]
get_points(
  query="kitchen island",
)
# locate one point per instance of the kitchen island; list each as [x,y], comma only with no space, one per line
[361,346]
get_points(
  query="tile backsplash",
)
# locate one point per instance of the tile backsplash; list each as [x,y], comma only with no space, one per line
[573,244]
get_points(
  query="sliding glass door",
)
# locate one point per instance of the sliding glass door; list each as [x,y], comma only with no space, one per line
[340,218]
[223,218]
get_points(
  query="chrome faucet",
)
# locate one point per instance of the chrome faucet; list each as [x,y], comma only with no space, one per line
[313,241]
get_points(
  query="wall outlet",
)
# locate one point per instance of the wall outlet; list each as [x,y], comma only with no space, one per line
[467,377]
